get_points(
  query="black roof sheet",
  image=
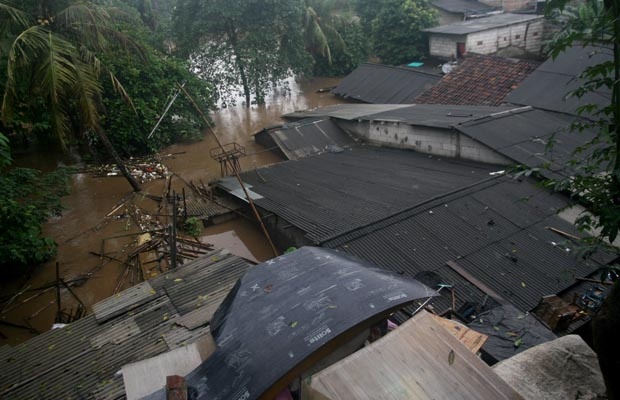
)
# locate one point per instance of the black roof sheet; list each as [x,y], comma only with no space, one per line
[333,193]
[495,230]
[547,87]
[483,24]
[463,6]
[310,136]
[383,84]
[523,137]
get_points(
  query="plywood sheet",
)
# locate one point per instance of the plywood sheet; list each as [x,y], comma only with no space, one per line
[419,360]
[470,338]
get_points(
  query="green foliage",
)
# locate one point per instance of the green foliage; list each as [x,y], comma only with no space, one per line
[342,43]
[595,24]
[28,199]
[397,30]
[192,226]
[5,152]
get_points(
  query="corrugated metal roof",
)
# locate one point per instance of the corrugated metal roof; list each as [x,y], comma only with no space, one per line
[81,360]
[384,84]
[436,115]
[483,24]
[333,193]
[206,209]
[467,7]
[308,137]
[497,231]
[344,111]
[523,136]
[548,87]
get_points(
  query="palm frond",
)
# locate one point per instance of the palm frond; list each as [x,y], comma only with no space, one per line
[120,90]
[86,91]
[87,20]
[11,16]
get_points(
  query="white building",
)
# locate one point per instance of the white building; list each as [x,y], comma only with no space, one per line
[507,34]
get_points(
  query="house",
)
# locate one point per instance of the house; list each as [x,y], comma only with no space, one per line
[503,34]
[512,5]
[480,80]
[384,84]
[451,11]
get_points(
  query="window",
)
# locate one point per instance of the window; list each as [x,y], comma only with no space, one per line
[535,34]
[518,37]
[480,43]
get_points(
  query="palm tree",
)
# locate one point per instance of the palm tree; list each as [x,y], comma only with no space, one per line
[51,54]
[320,34]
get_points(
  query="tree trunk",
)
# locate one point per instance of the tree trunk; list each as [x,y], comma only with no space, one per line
[117,159]
[605,328]
[232,35]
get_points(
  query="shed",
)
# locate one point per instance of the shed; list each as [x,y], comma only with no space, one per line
[511,34]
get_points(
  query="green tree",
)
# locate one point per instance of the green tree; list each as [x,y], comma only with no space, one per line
[251,44]
[596,181]
[397,27]
[52,66]
[333,38]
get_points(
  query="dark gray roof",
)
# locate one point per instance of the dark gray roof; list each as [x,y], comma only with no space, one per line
[335,192]
[383,84]
[81,360]
[483,24]
[307,137]
[495,230]
[467,7]
[524,135]
[344,111]
[436,115]
[431,115]
[548,86]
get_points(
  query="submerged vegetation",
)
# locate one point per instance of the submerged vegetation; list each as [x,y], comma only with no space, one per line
[96,75]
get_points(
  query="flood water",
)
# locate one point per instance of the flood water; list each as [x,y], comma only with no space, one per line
[83,228]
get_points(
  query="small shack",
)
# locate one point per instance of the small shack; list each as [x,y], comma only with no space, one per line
[508,34]
[451,11]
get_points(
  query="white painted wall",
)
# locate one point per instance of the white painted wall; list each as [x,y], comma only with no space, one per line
[436,141]
[526,37]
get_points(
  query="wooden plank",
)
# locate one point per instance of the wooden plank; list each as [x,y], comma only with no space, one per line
[419,360]
[476,282]
[470,338]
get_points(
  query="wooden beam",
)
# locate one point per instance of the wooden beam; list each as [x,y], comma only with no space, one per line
[476,282]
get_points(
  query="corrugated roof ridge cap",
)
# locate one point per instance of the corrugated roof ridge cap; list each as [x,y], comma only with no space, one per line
[501,114]
[400,68]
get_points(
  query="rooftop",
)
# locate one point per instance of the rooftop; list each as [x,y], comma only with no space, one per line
[333,193]
[548,87]
[383,84]
[81,360]
[479,80]
[483,24]
[531,131]
[467,7]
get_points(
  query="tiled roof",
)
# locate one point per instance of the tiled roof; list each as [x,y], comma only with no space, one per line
[479,80]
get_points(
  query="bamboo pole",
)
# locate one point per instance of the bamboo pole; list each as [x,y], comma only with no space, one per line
[245,192]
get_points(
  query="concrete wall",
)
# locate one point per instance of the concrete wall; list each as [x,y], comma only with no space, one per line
[436,141]
[520,39]
[444,45]
[446,18]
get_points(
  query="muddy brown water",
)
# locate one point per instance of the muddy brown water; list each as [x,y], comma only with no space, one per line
[79,231]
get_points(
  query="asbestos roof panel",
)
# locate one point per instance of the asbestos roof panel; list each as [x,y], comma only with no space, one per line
[344,111]
[333,193]
[312,136]
[479,80]
[467,7]
[124,301]
[81,359]
[524,136]
[483,24]
[436,115]
[548,87]
[383,84]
